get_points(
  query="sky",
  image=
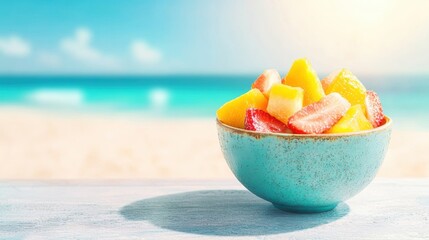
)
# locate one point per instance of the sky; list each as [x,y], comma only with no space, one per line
[212,37]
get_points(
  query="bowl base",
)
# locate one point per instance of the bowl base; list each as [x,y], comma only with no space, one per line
[305,209]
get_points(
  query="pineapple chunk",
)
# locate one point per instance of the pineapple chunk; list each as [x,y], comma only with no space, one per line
[284,101]
[354,120]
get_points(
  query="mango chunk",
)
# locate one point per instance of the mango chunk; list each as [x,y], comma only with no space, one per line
[349,86]
[284,101]
[302,75]
[354,120]
[328,80]
[233,112]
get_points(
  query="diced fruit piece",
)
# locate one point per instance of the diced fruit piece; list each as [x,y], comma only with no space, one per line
[374,110]
[233,112]
[347,84]
[284,101]
[319,116]
[328,80]
[302,75]
[260,121]
[354,120]
[266,80]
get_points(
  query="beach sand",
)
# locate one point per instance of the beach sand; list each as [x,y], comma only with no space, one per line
[47,145]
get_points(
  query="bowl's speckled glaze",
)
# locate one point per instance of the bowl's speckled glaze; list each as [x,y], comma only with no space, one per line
[304,173]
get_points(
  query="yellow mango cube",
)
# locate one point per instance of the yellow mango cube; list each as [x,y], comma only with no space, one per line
[349,86]
[328,80]
[284,101]
[302,75]
[233,112]
[354,120]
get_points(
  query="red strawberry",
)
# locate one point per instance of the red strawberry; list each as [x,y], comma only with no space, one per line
[319,116]
[374,110]
[267,79]
[260,121]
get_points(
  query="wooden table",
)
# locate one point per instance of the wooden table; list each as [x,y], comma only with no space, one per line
[387,209]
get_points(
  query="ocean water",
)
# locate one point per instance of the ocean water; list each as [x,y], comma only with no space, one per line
[404,98]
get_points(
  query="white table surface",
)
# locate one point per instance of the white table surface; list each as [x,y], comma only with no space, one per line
[141,209]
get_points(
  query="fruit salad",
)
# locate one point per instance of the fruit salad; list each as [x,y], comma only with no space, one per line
[302,104]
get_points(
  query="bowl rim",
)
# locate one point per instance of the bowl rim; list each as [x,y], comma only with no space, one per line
[385,126]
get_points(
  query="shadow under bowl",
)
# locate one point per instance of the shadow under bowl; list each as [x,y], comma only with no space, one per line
[304,173]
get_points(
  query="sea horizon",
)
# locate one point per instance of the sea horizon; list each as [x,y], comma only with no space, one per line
[184,95]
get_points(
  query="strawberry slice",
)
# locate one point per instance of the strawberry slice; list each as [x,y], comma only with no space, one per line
[319,116]
[260,121]
[267,79]
[374,110]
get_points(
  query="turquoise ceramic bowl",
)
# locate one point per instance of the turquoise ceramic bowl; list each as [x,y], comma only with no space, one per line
[304,173]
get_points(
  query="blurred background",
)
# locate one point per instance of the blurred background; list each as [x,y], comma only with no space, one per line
[129,89]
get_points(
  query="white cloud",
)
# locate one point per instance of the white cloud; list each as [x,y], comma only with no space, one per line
[144,53]
[49,59]
[14,46]
[79,47]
